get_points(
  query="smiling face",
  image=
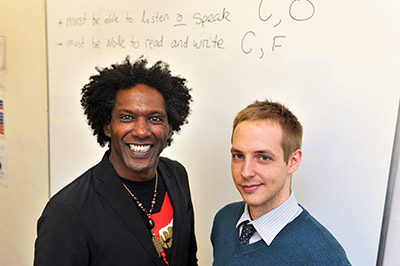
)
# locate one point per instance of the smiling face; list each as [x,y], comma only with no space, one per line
[259,171]
[139,131]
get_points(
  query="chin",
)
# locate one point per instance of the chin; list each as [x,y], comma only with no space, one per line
[140,169]
[252,200]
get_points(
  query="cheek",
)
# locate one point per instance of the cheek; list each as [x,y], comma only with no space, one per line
[122,130]
[235,170]
[277,176]
[162,133]
[232,168]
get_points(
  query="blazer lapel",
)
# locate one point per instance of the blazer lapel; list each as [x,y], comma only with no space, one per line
[178,202]
[111,189]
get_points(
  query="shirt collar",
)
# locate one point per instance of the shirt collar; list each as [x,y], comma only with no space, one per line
[270,224]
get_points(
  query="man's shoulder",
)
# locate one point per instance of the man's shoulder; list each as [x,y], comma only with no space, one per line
[231,211]
[316,240]
[74,193]
[225,222]
[84,182]
[170,162]
[311,225]
[234,206]
[167,164]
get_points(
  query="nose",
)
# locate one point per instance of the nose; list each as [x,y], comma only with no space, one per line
[247,168]
[141,128]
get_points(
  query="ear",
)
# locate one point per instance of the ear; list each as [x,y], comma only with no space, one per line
[294,160]
[170,132]
[107,130]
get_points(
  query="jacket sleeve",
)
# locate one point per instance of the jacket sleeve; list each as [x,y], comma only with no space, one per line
[192,251]
[192,255]
[187,252]
[61,238]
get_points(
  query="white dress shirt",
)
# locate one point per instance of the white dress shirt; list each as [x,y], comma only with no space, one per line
[270,224]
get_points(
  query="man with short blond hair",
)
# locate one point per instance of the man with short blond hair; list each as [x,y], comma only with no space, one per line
[269,227]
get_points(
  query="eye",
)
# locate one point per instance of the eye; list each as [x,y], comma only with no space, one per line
[155,119]
[126,118]
[264,158]
[237,156]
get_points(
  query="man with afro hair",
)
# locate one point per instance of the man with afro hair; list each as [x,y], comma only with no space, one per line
[134,207]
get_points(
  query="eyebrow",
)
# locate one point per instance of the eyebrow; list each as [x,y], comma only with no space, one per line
[234,150]
[154,112]
[256,152]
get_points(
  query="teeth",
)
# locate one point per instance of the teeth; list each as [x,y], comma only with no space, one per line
[139,148]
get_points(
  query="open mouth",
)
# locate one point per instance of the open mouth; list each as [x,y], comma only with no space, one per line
[139,148]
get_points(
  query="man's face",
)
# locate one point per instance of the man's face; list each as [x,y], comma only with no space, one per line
[139,131]
[258,167]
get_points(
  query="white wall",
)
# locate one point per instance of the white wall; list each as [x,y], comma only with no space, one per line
[25,99]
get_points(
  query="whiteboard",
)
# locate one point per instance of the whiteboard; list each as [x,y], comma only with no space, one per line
[333,63]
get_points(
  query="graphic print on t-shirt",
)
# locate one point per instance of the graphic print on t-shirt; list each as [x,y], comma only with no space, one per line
[163,228]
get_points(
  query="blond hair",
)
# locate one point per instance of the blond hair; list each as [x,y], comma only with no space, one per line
[292,130]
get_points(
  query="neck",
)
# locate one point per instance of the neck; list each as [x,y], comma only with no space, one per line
[139,177]
[258,211]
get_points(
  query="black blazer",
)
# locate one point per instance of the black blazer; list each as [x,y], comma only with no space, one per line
[92,222]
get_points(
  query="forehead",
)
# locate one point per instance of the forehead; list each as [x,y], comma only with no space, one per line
[138,97]
[257,135]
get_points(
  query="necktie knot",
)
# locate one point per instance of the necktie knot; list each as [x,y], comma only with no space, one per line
[247,231]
